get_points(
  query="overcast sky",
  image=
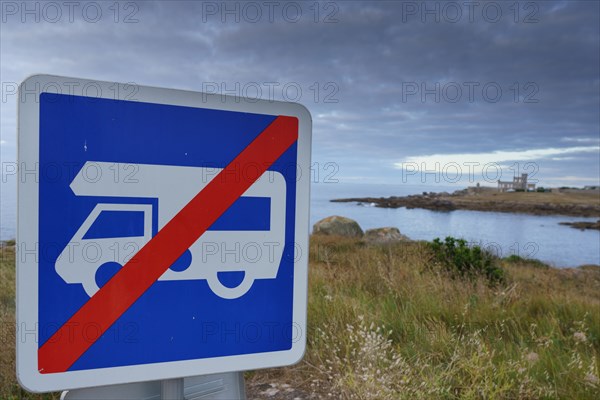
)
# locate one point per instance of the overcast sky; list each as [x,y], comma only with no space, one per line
[393,87]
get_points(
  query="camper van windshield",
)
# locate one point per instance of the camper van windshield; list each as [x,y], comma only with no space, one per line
[115,224]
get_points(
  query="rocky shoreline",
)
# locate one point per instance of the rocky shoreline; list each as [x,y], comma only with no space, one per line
[346,227]
[583,225]
[486,202]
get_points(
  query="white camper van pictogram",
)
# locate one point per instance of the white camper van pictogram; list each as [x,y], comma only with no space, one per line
[163,182]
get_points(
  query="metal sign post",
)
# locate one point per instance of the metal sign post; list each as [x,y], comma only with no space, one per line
[228,386]
[171,389]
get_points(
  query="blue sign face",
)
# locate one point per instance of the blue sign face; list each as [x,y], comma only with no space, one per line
[85,239]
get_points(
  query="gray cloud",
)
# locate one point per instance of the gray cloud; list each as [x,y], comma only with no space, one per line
[367,62]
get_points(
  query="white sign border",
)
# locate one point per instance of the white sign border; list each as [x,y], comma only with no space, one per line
[28,225]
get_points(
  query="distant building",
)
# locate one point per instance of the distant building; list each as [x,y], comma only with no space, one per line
[480,189]
[518,183]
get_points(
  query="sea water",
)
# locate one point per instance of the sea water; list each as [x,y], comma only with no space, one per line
[529,236]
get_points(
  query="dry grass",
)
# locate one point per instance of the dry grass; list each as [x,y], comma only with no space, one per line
[9,388]
[533,198]
[384,325]
[7,322]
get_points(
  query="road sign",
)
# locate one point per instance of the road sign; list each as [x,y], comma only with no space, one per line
[159,236]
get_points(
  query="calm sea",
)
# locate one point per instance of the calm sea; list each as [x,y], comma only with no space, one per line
[532,236]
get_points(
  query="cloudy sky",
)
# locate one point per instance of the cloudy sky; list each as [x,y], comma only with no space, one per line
[394,88]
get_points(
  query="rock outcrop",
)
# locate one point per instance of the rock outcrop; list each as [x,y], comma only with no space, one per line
[583,225]
[385,235]
[339,226]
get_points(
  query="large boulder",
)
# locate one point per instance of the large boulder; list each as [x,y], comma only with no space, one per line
[340,226]
[385,235]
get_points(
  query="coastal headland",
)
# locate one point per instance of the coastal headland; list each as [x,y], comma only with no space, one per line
[580,203]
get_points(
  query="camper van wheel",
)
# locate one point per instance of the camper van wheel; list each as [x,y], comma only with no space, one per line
[106,271]
[230,292]
[183,262]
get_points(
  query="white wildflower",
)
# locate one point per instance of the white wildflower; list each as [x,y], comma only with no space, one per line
[591,380]
[580,336]
[532,357]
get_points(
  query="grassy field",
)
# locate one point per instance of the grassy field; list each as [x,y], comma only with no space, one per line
[386,322]
[582,197]
[583,203]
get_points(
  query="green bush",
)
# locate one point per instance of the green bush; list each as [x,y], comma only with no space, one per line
[515,259]
[466,262]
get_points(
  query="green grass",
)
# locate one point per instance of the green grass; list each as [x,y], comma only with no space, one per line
[384,324]
[9,388]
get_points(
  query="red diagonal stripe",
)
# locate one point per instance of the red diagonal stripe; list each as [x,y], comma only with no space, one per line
[108,304]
